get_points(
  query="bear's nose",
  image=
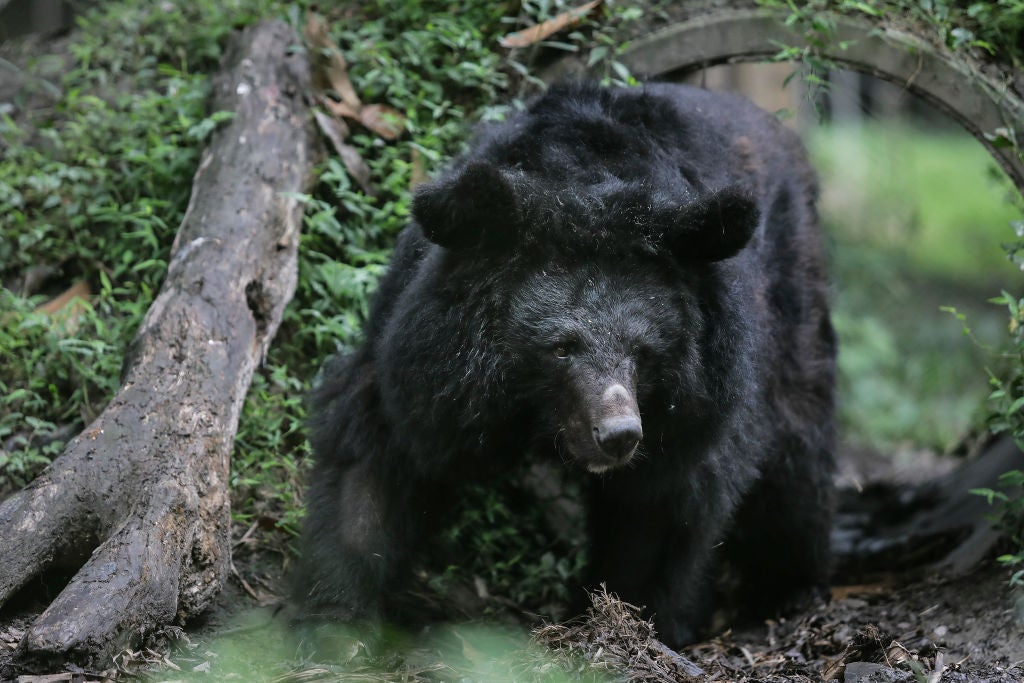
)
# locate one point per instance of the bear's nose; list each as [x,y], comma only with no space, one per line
[618,436]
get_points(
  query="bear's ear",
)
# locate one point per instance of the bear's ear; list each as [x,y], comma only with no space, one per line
[715,227]
[472,208]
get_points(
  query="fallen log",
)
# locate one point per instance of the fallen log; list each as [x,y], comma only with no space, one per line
[937,526]
[138,501]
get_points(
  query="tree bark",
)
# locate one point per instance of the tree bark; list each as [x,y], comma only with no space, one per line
[139,500]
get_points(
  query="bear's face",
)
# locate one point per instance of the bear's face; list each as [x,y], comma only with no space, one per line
[597,343]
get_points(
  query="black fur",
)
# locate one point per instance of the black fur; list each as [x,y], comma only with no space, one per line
[609,261]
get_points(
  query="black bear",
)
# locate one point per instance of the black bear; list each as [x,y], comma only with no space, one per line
[630,280]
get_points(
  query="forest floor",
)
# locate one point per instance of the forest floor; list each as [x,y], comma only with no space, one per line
[932,629]
[918,626]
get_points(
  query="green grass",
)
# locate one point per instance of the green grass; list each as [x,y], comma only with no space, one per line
[93,189]
[259,647]
[915,218]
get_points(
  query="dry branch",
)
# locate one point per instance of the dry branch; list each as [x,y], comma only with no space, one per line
[613,637]
[139,500]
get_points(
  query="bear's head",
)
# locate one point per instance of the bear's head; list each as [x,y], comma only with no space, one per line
[603,316]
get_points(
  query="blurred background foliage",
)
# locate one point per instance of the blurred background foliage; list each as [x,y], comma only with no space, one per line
[915,215]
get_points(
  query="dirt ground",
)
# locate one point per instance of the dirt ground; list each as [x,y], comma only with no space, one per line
[967,628]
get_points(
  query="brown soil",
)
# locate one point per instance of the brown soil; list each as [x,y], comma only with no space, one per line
[970,628]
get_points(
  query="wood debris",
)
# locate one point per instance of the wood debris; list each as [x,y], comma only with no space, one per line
[330,73]
[537,33]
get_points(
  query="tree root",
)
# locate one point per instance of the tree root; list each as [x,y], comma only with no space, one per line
[139,500]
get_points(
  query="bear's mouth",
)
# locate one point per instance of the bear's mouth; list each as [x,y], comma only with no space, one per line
[583,449]
[602,467]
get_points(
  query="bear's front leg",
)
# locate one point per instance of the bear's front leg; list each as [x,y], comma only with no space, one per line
[359,538]
[656,554]
[684,598]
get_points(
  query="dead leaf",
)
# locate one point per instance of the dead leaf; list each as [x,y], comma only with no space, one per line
[896,653]
[843,592]
[936,674]
[537,33]
[332,72]
[335,68]
[335,130]
[67,308]
[833,669]
[340,109]
[78,291]
[472,654]
[382,120]
[356,168]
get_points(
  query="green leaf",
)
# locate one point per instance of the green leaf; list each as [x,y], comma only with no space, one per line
[596,55]
[1016,406]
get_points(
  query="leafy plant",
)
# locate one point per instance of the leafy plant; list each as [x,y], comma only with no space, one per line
[509,548]
[93,190]
[1007,397]
[994,27]
[1009,519]
[1007,402]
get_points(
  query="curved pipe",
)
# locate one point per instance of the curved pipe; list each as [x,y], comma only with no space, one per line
[977,101]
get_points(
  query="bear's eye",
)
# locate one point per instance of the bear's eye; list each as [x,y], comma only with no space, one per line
[565,348]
